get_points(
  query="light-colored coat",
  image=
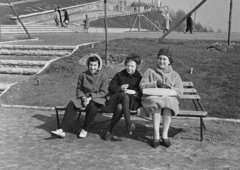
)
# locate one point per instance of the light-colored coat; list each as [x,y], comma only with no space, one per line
[94,85]
[168,77]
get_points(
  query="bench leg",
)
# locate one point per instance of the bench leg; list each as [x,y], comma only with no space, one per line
[57,119]
[201,128]
[79,115]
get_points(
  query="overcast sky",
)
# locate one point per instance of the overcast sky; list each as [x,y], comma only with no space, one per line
[213,12]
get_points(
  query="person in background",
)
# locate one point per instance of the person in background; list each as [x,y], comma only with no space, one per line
[162,76]
[86,23]
[189,26]
[56,17]
[167,21]
[60,16]
[125,95]
[66,17]
[91,93]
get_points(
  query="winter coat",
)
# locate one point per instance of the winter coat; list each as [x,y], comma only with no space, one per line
[167,21]
[56,16]
[86,23]
[133,80]
[94,85]
[66,16]
[168,77]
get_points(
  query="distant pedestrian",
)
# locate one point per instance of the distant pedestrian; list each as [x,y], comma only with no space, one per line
[189,26]
[56,17]
[167,21]
[86,23]
[60,16]
[66,17]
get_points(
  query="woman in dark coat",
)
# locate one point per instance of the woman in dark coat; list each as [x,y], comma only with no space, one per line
[66,17]
[91,93]
[86,23]
[125,95]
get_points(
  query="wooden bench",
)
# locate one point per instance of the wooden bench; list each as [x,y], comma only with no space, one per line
[190,93]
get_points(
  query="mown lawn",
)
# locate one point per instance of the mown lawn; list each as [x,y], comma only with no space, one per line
[215,73]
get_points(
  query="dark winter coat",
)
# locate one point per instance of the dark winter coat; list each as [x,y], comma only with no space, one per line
[133,80]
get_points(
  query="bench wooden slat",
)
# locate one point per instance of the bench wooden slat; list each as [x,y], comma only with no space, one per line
[191,113]
[187,84]
[194,96]
[189,90]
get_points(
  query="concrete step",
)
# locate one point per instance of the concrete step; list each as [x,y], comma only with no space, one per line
[4,86]
[33,53]
[23,71]
[23,63]
[24,57]
[38,47]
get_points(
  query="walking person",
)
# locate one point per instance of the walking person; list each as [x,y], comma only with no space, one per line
[60,16]
[167,20]
[91,93]
[125,95]
[66,17]
[189,26]
[56,17]
[86,23]
[162,76]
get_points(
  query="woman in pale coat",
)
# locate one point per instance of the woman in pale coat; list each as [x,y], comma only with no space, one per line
[162,76]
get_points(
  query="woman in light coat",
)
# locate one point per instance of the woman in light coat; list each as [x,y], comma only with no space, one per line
[91,91]
[162,76]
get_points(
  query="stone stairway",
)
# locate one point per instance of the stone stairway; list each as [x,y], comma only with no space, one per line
[18,62]
[37,28]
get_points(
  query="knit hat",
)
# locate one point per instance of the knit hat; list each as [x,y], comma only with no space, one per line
[99,58]
[133,57]
[167,52]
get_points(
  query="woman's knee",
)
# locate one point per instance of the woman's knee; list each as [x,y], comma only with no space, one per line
[119,107]
[126,98]
[167,112]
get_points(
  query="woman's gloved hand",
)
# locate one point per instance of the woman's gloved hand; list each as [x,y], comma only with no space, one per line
[161,85]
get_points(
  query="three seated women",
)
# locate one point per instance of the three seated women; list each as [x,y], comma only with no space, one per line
[126,94]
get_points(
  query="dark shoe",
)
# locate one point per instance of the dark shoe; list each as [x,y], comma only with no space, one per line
[165,142]
[155,143]
[131,128]
[107,136]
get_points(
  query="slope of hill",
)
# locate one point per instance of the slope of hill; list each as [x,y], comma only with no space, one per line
[128,21]
[29,7]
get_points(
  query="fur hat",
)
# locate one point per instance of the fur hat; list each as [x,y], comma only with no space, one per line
[133,57]
[167,52]
[99,58]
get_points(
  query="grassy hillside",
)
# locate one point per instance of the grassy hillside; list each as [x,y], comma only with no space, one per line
[215,74]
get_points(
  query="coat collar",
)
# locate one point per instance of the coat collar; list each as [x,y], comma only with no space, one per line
[168,70]
[135,74]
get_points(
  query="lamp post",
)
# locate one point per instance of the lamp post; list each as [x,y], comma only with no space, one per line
[106,37]
[229,25]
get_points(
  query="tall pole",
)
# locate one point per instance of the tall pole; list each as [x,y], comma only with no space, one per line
[19,20]
[229,25]
[139,23]
[106,37]
[194,9]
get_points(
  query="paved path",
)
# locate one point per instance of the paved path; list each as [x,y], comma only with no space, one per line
[81,37]
[26,144]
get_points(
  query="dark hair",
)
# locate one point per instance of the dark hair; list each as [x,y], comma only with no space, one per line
[93,59]
[133,57]
[167,52]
